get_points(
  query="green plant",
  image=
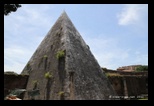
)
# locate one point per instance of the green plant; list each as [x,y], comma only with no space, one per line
[48,75]
[104,68]
[35,82]
[28,66]
[106,74]
[141,68]
[45,56]
[61,93]
[60,54]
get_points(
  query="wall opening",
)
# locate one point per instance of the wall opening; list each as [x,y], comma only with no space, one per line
[45,63]
[71,79]
[62,74]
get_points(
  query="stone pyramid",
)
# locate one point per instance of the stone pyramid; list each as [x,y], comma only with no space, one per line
[63,67]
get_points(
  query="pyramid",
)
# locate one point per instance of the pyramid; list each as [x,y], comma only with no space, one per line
[63,67]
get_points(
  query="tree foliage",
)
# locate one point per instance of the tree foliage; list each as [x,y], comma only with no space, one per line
[8,8]
[141,68]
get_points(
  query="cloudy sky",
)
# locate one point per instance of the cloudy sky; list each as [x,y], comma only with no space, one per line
[117,34]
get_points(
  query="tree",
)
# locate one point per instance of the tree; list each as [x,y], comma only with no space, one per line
[8,8]
[141,68]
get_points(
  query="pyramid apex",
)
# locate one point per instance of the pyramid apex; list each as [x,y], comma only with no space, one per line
[64,13]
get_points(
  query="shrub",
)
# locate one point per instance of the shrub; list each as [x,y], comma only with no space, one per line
[141,68]
[28,66]
[60,54]
[35,82]
[48,75]
[104,68]
[61,93]
[45,56]
[106,74]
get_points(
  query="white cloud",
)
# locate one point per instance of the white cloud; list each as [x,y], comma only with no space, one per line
[140,54]
[16,66]
[15,57]
[22,37]
[35,17]
[112,56]
[143,59]
[140,58]
[131,14]
[110,53]
[107,51]
[28,19]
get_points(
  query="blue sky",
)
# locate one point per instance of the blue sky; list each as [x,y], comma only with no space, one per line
[117,34]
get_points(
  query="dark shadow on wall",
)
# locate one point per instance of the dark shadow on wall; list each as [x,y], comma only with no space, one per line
[62,73]
[48,88]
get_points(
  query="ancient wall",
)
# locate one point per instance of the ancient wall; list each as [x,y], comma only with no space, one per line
[117,83]
[138,84]
[135,85]
[135,82]
[12,82]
